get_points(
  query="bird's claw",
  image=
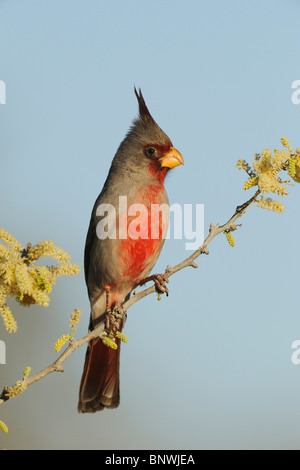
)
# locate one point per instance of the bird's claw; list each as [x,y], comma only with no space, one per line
[160,281]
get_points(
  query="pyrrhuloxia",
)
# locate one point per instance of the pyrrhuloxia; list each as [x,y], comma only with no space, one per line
[138,172]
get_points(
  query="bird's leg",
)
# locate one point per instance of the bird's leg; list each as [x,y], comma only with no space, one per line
[159,281]
[107,308]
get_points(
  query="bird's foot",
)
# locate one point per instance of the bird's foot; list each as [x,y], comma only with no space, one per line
[115,318]
[160,281]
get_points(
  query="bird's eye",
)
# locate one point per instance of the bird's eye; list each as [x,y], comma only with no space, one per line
[151,151]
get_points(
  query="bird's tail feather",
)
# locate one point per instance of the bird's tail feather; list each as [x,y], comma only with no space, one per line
[99,387]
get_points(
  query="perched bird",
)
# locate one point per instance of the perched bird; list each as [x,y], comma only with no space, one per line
[114,266]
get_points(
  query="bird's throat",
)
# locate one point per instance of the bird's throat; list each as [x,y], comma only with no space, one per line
[157,172]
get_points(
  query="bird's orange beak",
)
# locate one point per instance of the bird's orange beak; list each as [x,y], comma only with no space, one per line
[171,159]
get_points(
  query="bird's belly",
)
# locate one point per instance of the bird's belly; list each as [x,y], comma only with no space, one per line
[146,227]
[138,258]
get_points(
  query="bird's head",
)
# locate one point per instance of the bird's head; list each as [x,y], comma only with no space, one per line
[147,149]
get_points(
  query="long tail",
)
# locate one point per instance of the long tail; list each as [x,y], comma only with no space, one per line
[99,386]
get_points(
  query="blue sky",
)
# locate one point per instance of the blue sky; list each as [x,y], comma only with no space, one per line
[210,366]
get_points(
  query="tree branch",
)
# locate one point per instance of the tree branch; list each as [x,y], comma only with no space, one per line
[99,331]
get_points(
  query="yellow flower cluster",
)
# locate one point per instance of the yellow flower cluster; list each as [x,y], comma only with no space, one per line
[265,173]
[250,183]
[8,319]
[270,204]
[294,166]
[229,237]
[21,278]
[243,165]
[61,342]
[73,322]
[110,341]
[19,387]
[3,427]
[27,371]
[286,144]
[121,336]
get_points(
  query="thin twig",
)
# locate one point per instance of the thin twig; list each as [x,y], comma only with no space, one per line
[190,261]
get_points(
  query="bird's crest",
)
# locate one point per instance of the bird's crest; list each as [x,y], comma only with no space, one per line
[144,111]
